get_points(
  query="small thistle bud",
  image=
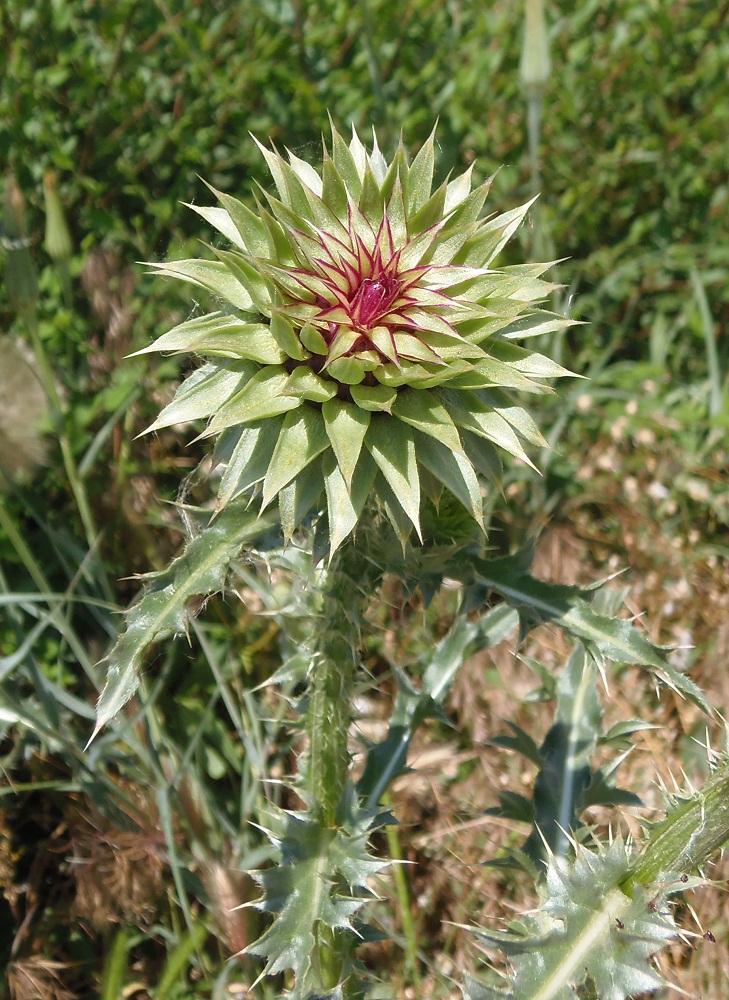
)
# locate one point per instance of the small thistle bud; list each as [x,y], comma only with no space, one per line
[58,238]
[365,344]
[535,66]
[20,276]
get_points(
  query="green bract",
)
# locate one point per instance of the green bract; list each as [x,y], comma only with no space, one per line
[364,343]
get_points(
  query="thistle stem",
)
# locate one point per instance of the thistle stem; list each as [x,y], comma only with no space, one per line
[328,725]
[348,587]
[688,836]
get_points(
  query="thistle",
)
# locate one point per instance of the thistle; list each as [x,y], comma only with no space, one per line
[364,344]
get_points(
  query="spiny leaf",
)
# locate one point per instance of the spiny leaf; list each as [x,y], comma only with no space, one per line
[303,436]
[565,758]
[212,275]
[221,335]
[346,427]
[209,388]
[604,636]
[454,470]
[587,935]
[163,607]
[392,446]
[322,882]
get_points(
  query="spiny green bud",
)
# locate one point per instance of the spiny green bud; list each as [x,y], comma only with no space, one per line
[20,276]
[365,343]
[58,238]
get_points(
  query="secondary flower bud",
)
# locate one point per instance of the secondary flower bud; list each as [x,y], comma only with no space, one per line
[20,276]
[535,66]
[58,238]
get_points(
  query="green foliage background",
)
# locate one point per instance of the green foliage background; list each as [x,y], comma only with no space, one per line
[131,101]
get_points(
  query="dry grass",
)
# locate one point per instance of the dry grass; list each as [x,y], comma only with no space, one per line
[681,591]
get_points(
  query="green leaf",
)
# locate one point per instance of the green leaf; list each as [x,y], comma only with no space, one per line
[302,437]
[602,790]
[454,470]
[250,228]
[346,169]
[262,396]
[219,219]
[297,499]
[204,393]
[312,340]
[520,741]
[250,459]
[535,324]
[605,637]
[275,164]
[334,192]
[492,237]
[163,607]
[321,882]
[116,964]
[619,641]
[305,173]
[283,333]
[250,278]
[401,523]
[386,760]
[517,416]
[392,446]
[528,362]
[485,423]
[374,398]
[345,501]
[488,373]
[484,456]
[370,200]
[424,411]
[346,426]
[513,806]
[430,214]
[350,371]
[178,962]
[397,216]
[222,335]
[304,383]
[588,938]
[212,275]
[565,758]
[420,176]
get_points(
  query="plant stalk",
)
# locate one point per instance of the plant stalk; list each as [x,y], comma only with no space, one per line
[688,837]
[349,585]
[331,690]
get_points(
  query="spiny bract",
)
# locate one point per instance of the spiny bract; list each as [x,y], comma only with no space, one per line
[364,345]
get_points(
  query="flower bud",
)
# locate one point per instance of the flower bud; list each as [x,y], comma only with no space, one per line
[535,66]
[20,276]
[367,341]
[58,239]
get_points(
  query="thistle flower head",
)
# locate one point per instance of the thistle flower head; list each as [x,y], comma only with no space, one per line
[365,344]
